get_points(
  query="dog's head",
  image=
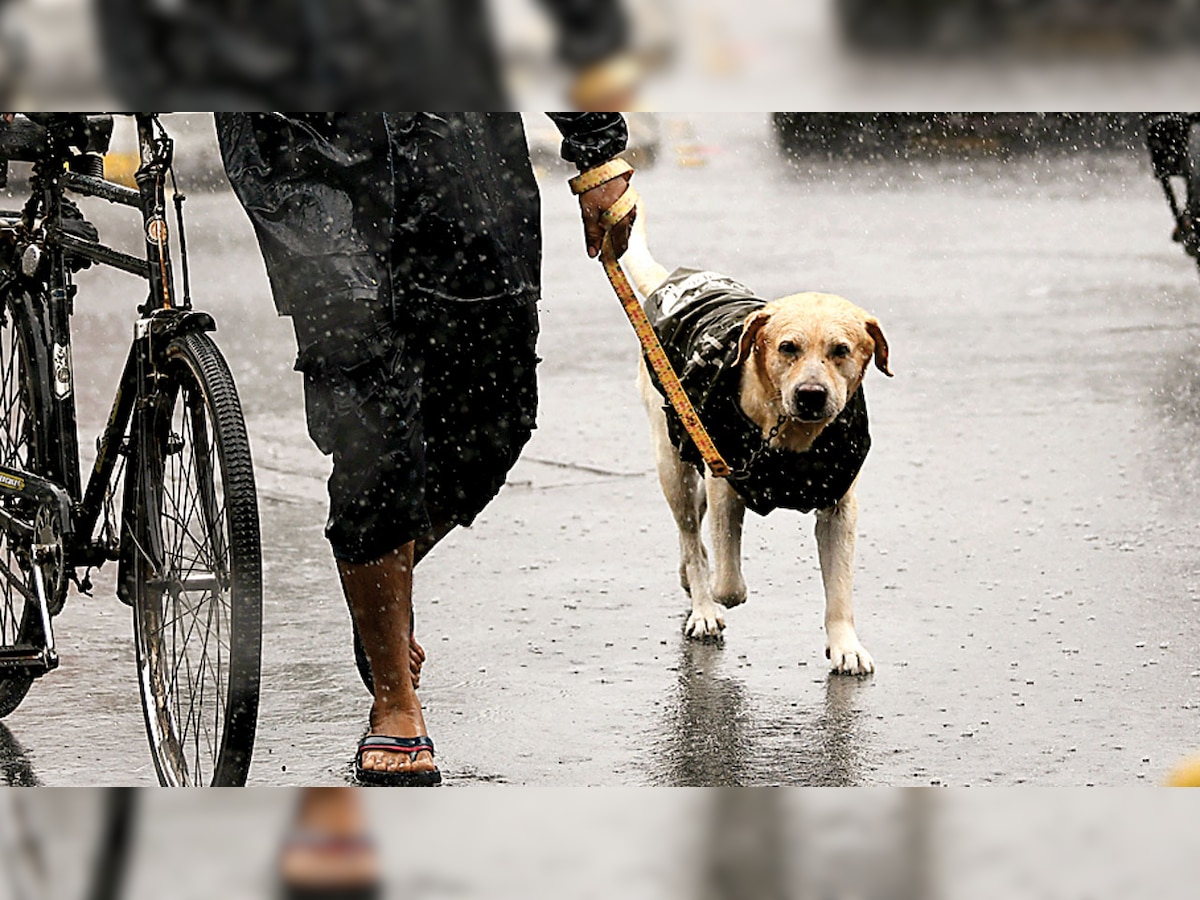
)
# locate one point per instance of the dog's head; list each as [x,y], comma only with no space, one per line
[805,355]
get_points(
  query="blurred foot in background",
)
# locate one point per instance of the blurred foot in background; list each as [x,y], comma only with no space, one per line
[329,854]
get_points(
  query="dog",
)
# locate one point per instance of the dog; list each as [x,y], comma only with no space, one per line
[778,385]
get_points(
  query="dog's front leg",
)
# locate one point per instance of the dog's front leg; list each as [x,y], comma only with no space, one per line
[836,533]
[681,485]
[685,495]
[726,511]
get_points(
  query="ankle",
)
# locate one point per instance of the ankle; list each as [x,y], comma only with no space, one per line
[334,811]
[398,720]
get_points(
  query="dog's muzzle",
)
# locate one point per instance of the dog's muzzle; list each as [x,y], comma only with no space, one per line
[809,403]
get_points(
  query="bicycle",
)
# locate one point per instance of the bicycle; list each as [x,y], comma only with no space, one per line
[174,458]
[43,832]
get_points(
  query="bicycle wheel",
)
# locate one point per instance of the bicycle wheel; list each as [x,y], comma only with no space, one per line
[65,845]
[197,572]
[23,379]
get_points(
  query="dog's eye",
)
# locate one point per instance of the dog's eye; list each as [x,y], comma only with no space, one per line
[840,351]
[788,348]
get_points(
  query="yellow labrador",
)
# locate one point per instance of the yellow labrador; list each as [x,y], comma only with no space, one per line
[778,385]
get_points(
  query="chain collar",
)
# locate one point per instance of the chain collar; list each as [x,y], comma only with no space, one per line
[744,471]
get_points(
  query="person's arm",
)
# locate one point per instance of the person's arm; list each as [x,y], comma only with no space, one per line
[590,140]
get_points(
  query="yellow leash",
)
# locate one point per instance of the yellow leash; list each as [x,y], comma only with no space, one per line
[652,347]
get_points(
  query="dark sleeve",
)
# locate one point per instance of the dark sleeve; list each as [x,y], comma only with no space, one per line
[588,30]
[591,138]
[1167,137]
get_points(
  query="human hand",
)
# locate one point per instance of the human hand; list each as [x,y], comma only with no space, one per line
[592,205]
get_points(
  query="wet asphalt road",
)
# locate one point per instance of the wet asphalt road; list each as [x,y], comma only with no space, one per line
[1027,576]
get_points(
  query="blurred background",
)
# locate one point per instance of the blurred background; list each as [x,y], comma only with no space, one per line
[724,844]
[700,54]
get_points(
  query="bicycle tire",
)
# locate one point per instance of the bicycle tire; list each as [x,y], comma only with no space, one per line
[91,829]
[24,376]
[197,572]
[110,861]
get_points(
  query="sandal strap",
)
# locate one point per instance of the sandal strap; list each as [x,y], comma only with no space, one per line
[597,175]
[309,838]
[410,746]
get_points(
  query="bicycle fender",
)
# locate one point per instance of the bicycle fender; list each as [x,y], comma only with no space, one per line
[166,324]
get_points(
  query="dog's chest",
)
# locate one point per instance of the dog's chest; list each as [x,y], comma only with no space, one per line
[698,316]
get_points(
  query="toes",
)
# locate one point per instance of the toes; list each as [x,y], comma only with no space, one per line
[379,761]
[704,625]
[850,661]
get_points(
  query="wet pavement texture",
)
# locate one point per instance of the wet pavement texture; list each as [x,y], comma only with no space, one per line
[887,844]
[1026,576]
[191,845]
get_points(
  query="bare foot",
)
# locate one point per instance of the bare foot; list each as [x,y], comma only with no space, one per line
[328,846]
[398,723]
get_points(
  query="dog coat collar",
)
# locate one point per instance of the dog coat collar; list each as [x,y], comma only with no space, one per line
[698,317]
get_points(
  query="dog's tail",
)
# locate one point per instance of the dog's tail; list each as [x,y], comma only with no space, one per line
[646,272]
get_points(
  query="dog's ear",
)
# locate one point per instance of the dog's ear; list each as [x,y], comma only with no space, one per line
[881,345]
[750,331]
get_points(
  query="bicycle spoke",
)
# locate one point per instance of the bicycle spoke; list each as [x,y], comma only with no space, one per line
[196,613]
[200,681]
[197,705]
[193,585]
[20,623]
[189,507]
[17,583]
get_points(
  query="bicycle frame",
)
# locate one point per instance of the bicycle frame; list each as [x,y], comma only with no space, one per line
[163,317]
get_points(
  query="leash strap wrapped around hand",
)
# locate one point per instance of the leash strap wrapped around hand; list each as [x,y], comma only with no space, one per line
[657,357]
[602,174]
[652,347]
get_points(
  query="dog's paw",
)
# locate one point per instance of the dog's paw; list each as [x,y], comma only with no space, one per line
[705,624]
[849,657]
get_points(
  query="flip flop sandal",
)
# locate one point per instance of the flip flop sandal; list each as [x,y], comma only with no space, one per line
[409,746]
[333,845]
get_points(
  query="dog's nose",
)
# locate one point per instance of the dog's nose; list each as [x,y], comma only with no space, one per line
[809,401]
